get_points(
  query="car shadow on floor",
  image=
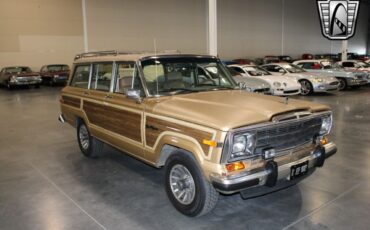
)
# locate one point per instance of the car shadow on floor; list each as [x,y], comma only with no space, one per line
[136,191]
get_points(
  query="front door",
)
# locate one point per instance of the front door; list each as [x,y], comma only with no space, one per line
[124,115]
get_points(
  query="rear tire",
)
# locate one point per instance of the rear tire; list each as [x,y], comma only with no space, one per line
[90,146]
[187,189]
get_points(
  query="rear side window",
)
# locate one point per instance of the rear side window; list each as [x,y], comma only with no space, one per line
[101,76]
[81,76]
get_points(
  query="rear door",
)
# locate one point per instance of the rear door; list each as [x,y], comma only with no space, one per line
[94,98]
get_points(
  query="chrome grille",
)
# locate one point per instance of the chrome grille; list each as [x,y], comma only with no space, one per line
[281,137]
[24,79]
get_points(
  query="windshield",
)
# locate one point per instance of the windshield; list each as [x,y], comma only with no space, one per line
[166,76]
[326,64]
[361,64]
[22,69]
[54,68]
[233,72]
[256,71]
[293,68]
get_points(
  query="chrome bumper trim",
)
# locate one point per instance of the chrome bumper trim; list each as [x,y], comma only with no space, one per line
[261,176]
[330,149]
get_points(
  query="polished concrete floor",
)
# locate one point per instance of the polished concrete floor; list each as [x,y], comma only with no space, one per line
[45,183]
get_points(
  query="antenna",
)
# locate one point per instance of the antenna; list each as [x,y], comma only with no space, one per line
[155,62]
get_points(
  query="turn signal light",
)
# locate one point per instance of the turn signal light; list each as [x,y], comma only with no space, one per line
[210,142]
[235,166]
[324,140]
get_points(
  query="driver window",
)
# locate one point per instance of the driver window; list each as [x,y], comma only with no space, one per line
[127,78]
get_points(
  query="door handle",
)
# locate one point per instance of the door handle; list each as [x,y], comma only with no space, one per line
[108,96]
[85,93]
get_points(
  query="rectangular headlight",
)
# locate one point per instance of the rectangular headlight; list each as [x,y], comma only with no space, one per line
[326,124]
[243,146]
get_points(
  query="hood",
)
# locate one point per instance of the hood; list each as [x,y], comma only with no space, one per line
[227,109]
[60,72]
[24,74]
[252,82]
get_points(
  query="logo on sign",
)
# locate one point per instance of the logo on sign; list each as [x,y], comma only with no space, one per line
[338,18]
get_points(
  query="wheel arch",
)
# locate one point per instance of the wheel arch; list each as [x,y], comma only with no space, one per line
[171,144]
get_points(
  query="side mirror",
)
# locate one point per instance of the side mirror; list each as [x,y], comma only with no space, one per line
[281,71]
[134,94]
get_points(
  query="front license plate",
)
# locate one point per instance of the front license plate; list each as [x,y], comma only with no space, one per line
[298,170]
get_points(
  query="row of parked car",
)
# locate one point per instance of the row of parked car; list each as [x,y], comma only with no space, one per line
[300,77]
[13,76]
[277,78]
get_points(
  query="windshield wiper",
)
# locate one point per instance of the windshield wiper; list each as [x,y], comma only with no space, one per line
[222,88]
[178,90]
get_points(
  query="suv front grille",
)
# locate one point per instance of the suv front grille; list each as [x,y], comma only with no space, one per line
[288,136]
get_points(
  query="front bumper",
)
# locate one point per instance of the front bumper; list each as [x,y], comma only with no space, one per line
[325,87]
[20,83]
[282,173]
[285,91]
[357,82]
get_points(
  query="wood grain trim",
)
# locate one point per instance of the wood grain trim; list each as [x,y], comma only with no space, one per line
[71,101]
[154,127]
[122,122]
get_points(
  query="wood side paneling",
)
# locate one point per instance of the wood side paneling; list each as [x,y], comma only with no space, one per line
[154,127]
[119,121]
[71,101]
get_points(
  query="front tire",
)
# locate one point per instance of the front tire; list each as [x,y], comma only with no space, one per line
[9,86]
[89,145]
[306,87]
[342,84]
[187,189]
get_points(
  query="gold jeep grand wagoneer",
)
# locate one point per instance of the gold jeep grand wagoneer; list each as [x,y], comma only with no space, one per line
[185,113]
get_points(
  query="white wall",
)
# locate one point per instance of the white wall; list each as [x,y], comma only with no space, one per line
[132,25]
[38,32]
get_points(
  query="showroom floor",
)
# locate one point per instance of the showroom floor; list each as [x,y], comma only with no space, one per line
[45,183]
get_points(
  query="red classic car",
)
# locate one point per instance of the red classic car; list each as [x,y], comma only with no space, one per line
[56,74]
[13,76]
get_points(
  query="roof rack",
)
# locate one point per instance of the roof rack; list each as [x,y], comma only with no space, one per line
[116,52]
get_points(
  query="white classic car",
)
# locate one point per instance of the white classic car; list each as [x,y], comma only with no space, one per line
[280,85]
[346,78]
[310,82]
[251,84]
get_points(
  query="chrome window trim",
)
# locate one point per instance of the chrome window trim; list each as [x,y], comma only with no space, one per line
[229,137]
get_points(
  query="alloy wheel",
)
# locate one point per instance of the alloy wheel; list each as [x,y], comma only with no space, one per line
[305,87]
[182,184]
[84,137]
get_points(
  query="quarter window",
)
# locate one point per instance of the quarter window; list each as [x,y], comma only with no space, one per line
[81,76]
[102,76]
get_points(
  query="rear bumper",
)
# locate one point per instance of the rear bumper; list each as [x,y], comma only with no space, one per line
[278,175]
[61,118]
